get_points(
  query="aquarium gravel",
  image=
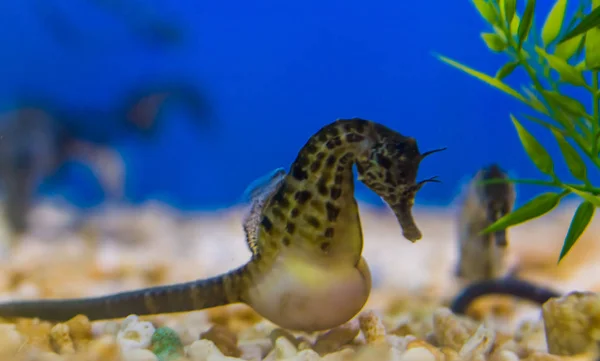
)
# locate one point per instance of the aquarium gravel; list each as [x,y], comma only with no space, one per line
[406,317]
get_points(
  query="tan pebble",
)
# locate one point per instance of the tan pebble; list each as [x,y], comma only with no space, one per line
[61,339]
[224,339]
[570,321]
[48,356]
[304,355]
[36,332]
[11,341]
[478,345]
[138,354]
[372,327]
[104,348]
[504,355]
[450,354]
[80,330]
[336,338]
[341,355]
[280,332]
[451,330]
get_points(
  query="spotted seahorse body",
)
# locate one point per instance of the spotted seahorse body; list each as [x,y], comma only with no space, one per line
[306,271]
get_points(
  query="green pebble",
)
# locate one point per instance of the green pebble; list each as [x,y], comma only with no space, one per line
[166,344]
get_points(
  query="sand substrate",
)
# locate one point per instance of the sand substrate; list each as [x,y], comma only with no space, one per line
[405,319]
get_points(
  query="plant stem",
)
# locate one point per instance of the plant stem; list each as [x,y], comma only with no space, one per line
[579,187]
[596,113]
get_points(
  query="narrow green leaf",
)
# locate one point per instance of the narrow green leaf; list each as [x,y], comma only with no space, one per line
[567,72]
[592,44]
[585,195]
[534,208]
[567,49]
[506,70]
[573,159]
[554,22]
[567,104]
[510,8]
[514,24]
[536,152]
[526,21]
[534,101]
[484,77]
[546,124]
[502,9]
[486,10]
[581,66]
[590,21]
[581,219]
[494,42]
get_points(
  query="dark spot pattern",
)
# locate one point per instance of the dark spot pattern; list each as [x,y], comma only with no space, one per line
[267,224]
[336,193]
[329,232]
[302,196]
[295,212]
[332,212]
[290,227]
[354,138]
[331,159]
[313,221]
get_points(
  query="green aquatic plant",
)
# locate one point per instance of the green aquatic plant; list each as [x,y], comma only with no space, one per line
[556,68]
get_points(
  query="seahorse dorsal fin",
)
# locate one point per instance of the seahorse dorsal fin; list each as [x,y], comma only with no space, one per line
[258,193]
[262,185]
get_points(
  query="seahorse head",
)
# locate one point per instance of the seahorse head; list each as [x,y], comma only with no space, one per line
[390,169]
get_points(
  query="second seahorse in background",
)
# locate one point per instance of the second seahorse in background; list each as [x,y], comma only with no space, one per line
[483,256]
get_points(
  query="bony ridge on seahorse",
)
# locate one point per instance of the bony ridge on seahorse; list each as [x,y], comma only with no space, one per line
[306,271]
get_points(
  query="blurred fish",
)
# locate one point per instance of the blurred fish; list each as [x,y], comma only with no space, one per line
[483,256]
[37,137]
[141,19]
[144,104]
[32,146]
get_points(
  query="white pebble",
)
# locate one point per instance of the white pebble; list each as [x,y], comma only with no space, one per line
[205,350]
[304,355]
[418,354]
[139,354]
[134,334]
[284,348]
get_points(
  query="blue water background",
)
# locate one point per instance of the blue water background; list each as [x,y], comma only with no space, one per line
[276,72]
